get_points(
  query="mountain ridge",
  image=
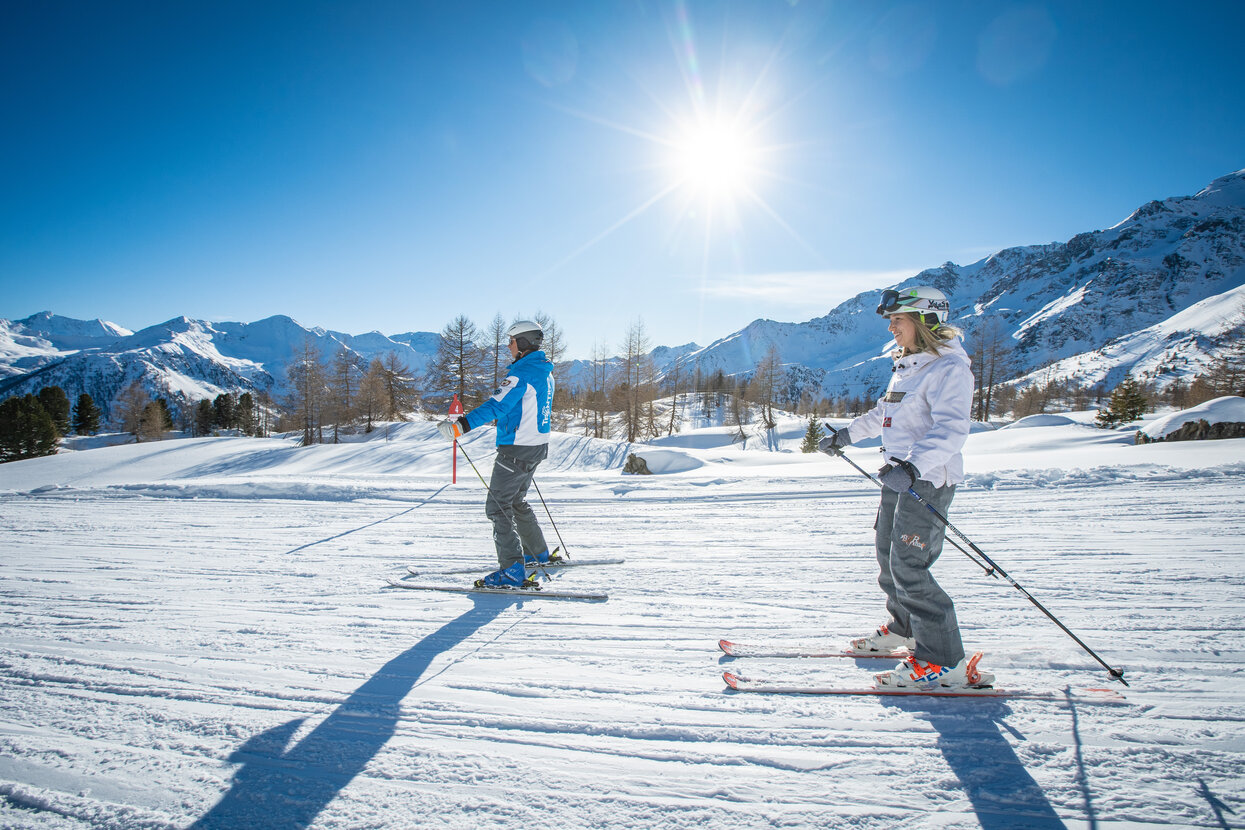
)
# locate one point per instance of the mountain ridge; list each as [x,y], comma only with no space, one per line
[1153,295]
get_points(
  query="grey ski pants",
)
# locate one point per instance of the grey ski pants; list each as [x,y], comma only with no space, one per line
[515,530]
[909,540]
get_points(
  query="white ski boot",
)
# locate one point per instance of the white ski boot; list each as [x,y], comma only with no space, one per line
[882,641]
[918,674]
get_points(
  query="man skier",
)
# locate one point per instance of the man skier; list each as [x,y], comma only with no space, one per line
[522,408]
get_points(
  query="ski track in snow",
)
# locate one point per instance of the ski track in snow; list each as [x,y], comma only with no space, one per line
[225,654]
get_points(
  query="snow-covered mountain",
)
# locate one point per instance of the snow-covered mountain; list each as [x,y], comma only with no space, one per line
[40,339]
[182,360]
[1153,295]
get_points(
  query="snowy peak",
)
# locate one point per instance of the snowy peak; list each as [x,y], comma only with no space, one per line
[66,333]
[182,359]
[38,340]
[1225,191]
[1060,305]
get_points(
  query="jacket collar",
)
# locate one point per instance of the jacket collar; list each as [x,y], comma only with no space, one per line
[954,348]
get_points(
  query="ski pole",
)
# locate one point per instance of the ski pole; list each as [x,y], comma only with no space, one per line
[987,568]
[551,521]
[995,570]
[522,558]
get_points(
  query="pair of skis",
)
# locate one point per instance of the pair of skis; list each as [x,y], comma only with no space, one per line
[797,686]
[538,592]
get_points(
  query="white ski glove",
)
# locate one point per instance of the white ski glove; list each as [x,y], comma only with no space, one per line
[452,429]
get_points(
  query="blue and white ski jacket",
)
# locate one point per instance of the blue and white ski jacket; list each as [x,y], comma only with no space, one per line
[523,406]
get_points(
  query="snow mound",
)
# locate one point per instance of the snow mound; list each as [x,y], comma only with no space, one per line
[669,461]
[1229,409]
[1041,420]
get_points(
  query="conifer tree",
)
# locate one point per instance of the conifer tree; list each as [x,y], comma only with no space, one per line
[245,415]
[56,404]
[204,416]
[86,415]
[1128,403]
[223,411]
[812,435]
[26,429]
[166,414]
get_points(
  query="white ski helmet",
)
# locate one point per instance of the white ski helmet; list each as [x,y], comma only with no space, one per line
[924,300]
[527,335]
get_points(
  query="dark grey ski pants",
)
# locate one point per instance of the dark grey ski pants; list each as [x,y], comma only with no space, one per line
[515,530]
[909,540]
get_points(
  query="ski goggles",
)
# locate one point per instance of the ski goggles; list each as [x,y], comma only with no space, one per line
[889,303]
[893,301]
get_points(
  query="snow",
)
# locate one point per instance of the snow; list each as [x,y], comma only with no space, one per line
[1040,420]
[1228,409]
[197,633]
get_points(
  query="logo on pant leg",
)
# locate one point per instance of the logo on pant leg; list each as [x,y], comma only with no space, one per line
[912,540]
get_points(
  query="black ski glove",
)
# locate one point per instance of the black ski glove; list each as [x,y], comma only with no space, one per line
[899,476]
[834,443]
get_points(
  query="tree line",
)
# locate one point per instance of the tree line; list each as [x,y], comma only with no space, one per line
[344,393]
[618,396]
[32,425]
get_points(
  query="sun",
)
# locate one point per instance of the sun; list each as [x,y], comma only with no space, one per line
[715,159]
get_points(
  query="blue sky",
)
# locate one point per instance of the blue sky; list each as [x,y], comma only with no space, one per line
[692,165]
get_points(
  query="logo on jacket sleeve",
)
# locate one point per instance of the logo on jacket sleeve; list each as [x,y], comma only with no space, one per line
[506,385]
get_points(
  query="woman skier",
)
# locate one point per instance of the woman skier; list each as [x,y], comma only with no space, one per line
[923,419]
[522,407]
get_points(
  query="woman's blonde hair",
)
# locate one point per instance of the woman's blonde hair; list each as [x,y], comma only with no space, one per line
[929,339]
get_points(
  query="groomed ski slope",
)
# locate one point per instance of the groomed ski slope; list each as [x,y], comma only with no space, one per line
[198,633]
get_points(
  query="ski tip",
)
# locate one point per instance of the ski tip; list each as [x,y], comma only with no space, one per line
[731,679]
[727,646]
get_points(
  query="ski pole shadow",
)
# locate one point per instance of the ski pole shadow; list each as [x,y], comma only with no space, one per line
[399,514]
[1216,804]
[1082,775]
[285,789]
[1003,794]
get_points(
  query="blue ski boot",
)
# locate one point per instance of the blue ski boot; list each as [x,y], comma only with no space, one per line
[543,558]
[512,577]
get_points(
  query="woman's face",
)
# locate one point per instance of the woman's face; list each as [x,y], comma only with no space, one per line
[903,328]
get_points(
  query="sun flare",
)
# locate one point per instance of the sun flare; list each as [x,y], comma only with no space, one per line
[715,159]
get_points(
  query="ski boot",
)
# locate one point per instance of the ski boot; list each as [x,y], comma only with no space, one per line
[512,577]
[882,641]
[919,674]
[544,558]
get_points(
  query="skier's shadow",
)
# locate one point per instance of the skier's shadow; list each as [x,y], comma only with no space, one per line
[970,736]
[287,788]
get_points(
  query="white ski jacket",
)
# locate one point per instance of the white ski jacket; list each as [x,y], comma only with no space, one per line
[923,418]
